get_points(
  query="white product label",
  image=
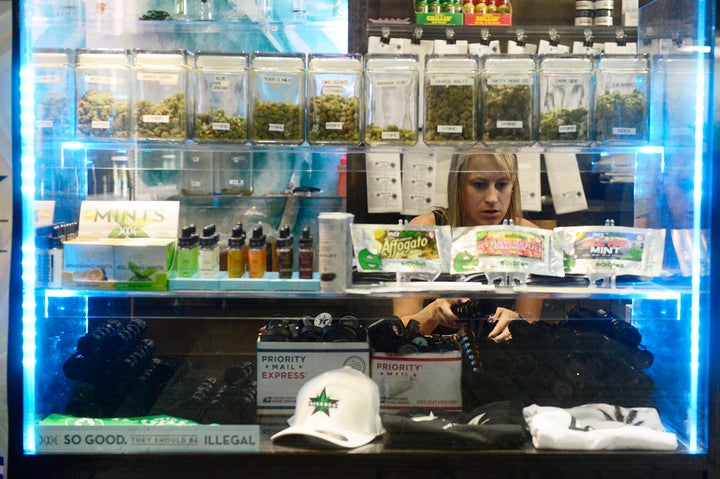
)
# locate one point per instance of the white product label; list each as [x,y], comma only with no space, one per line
[390,135]
[220,85]
[162,78]
[391,83]
[47,79]
[624,131]
[333,90]
[277,79]
[567,128]
[100,80]
[509,80]
[236,182]
[44,124]
[221,126]
[100,125]
[333,125]
[509,124]
[449,128]
[276,127]
[451,81]
[623,85]
[604,4]
[566,81]
[156,118]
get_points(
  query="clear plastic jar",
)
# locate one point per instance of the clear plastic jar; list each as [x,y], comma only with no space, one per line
[102,86]
[221,98]
[277,81]
[622,87]
[335,99]
[565,84]
[508,99]
[159,103]
[54,118]
[197,173]
[672,99]
[451,99]
[392,88]
[233,173]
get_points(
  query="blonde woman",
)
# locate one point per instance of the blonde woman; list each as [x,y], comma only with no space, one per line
[482,190]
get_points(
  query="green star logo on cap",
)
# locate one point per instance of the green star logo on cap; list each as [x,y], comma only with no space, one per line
[323,403]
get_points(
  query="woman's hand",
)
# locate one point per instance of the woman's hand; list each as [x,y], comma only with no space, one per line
[441,310]
[502,317]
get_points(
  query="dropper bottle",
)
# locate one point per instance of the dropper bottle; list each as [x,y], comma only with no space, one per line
[257,254]
[209,257]
[237,256]
[285,253]
[186,260]
[306,257]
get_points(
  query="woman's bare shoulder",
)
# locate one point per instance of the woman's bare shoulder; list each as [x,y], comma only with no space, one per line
[427,219]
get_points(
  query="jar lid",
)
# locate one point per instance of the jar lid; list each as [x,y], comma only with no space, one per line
[160,58]
[566,62]
[627,62]
[450,62]
[335,62]
[52,57]
[391,61]
[278,61]
[107,57]
[225,61]
[509,63]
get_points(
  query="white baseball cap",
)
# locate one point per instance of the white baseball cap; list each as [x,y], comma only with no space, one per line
[340,407]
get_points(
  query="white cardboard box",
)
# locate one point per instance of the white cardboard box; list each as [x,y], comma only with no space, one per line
[283,368]
[424,380]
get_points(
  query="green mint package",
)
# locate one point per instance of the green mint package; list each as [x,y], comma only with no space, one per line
[615,249]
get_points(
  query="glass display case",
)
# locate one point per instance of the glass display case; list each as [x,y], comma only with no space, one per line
[130,368]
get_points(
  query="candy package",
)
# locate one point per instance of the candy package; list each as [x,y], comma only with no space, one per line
[614,250]
[506,249]
[401,248]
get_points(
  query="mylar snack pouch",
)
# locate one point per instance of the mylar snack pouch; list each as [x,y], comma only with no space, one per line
[401,248]
[618,249]
[505,249]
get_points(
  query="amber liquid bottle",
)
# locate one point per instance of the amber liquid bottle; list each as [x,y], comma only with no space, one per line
[257,254]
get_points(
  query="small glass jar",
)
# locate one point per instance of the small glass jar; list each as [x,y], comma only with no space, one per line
[278,98]
[233,173]
[54,98]
[622,87]
[508,101]
[392,86]
[451,99]
[102,84]
[197,173]
[672,99]
[334,99]
[565,84]
[159,103]
[221,104]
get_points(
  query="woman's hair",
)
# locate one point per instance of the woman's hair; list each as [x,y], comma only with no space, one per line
[505,162]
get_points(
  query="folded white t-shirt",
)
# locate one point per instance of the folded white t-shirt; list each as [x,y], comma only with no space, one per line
[597,427]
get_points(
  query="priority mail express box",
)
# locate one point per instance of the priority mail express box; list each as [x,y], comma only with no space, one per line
[283,368]
[424,380]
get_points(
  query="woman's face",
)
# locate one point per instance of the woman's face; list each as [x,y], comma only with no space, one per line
[486,192]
